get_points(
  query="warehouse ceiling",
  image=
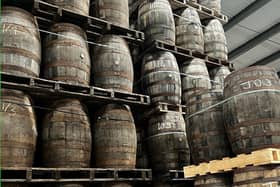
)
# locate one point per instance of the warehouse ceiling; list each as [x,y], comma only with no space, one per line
[253,32]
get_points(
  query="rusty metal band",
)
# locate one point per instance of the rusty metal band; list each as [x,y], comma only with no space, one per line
[70,64]
[122,74]
[252,123]
[21,52]
[161,69]
[65,41]
[250,136]
[7,68]
[164,83]
[260,181]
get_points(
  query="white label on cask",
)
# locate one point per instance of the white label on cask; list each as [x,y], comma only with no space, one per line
[255,84]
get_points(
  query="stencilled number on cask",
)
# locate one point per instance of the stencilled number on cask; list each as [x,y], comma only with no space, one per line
[258,83]
[7,107]
[163,126]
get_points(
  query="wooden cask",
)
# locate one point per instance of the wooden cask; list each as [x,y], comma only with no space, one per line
[114,11]
[112,64]
[66,132]
[66,55]
[155,19]
[261,176]
[161,78]
[212,4]
[189,32]
[21,45]
[115,140]
[218,76]
[76,6]
[217,180]
[206,133]
[215,43]
[195,78]
[167,142]
[18,129]
[252,115]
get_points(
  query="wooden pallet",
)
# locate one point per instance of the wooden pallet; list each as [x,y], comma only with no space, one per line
[203,11]
[183,54]
[176,176]
[55,89]
[48,14]
[61,175]
[256,158]
[163,108]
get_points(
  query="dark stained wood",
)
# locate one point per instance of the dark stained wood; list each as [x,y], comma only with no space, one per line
[79,7]
[21,45]
[156,20]
[167,142]
[215,43]
[266,176]
[206,133]
[66,56]
[161,78]
[217,180]
[112,64]
[115,140]
[66,132]
[252,119]
[114,11]
[18,129]
[195,78]
[189,32]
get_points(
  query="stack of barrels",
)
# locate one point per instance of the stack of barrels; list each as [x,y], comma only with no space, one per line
[166,132]
[65,134]
[252,121]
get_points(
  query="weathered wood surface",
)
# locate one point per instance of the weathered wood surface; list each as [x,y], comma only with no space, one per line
[161,78]
[252,119]
[155,19]
[65,132]
[66,56]
[112,64]
[115,140]
[21,45]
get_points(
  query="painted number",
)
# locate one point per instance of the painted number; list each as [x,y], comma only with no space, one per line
[256,84]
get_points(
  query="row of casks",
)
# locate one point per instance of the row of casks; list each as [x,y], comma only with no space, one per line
[65,137]
[114,11]
[156,20]
[65,51]
[248,117]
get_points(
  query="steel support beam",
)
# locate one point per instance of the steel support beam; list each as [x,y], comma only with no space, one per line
[268,59]
[243,14]
[255,41]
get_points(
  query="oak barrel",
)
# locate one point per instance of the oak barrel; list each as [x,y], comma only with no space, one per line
[212,4]
[66,132]
[18,129]
[206,133]
[114,11]
[218,76]
[189,32]
[260,176]
[66,56]
[161,78]
[112,64]
[167,142]
[217,180]
[155,19]
[21,45]
[195,78]
[215,43]
[252,115]
[76,6]
[115,140]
